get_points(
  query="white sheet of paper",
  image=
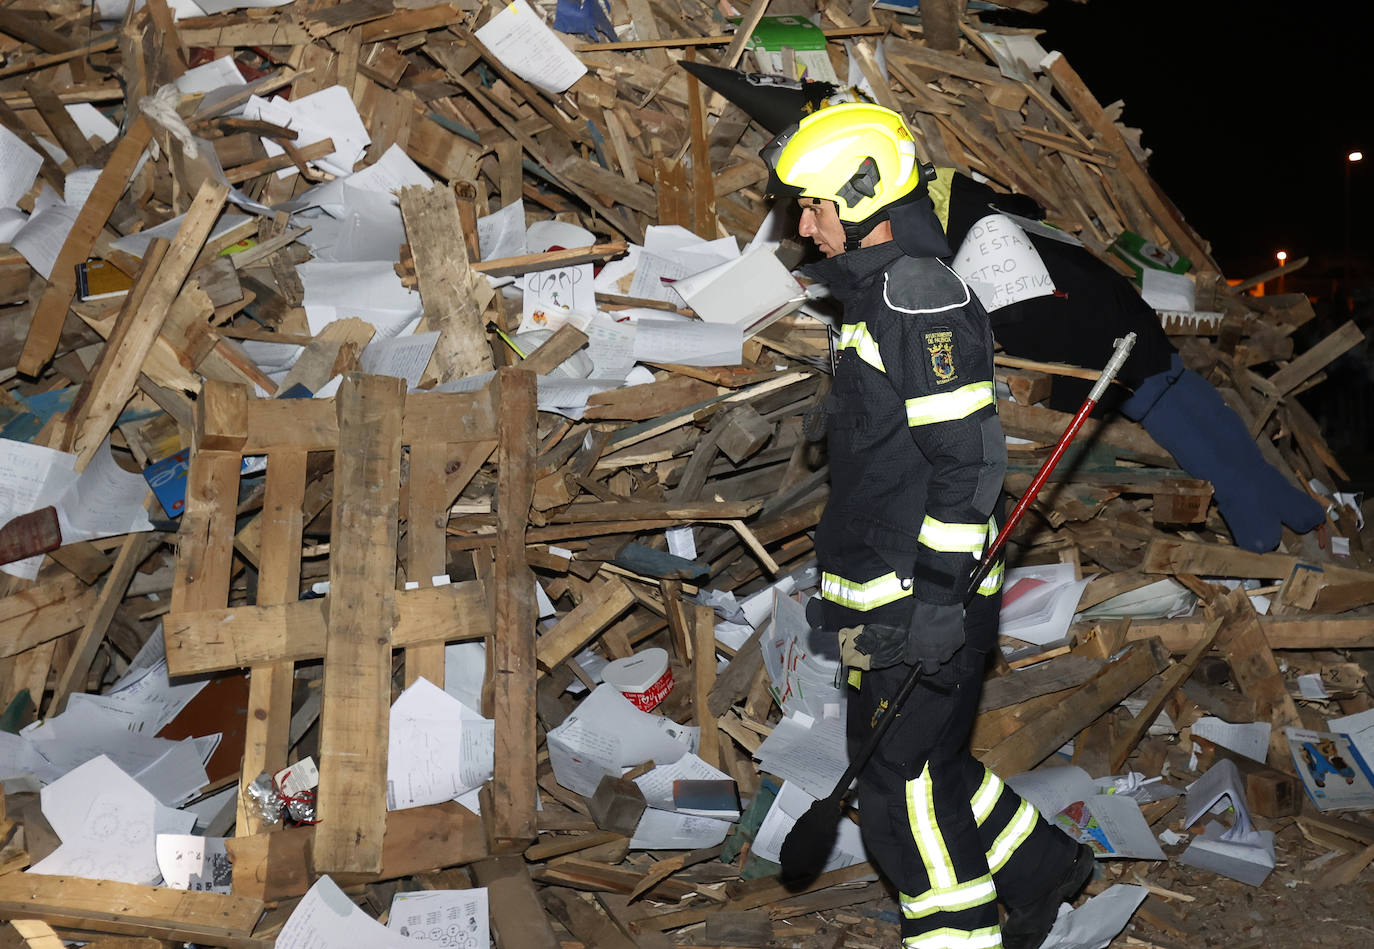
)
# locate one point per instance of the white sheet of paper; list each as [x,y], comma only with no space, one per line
[810,753]
[528,48]
[108,825]
[606,733]
[137,243]
[367,289]
[12,221]
[688,343]
[557,293]
[743,292]
[41,238]
[200,864]
[1018,54]
[465,667]
[1250,739]
[325,918]
[665,830]
[1000,264]
[502,233]
[790,804]
[610,344]
[1050,790]
[437,748]
[327,114]
[657,785]
[92,122]
[449,918]
[212,75]
[1095,924]
[221,6]
[19,165]
[102,501]
[802,662]
[402,356]
[1042,615]
[78,186]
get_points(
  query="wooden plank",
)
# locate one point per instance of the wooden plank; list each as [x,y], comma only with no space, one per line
[266,729]
[1172,680]
[276,866]
[511,648]
[703,681]
[205,543]
[362,594]
[1317,358]
[517,918]
[42,613]
[1036,740]
[132,552]
[435,233]
[1174,557]
[1127,439]
[98,404]
[426,544]
[214,919]
[216,640]
[602,605]
[1053,675]
[1066,80]
[1255,671]
[46,326]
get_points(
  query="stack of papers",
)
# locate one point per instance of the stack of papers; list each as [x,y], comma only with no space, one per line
[811,753]
[803,663]
[663,826]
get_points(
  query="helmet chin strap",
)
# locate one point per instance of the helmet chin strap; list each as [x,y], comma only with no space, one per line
[854,233]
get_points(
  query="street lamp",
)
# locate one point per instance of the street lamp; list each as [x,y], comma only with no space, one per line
[1350,159]
[1282,257]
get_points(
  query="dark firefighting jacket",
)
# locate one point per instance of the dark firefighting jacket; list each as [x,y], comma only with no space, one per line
[917,455]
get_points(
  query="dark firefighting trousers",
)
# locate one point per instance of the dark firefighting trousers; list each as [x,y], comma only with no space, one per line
[948,833]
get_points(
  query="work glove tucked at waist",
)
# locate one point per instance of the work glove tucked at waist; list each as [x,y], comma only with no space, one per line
[933,634]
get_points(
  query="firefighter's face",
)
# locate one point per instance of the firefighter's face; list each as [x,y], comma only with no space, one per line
[820,221]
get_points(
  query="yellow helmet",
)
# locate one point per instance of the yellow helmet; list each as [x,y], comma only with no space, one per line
[857,154]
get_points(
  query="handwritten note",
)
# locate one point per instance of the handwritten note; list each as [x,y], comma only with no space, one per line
[519,38]
[1000,264]
[19,166]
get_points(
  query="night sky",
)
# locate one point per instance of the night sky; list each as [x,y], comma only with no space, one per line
[1249,108]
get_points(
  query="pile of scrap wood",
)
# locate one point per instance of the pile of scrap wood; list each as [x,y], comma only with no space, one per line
[425,516]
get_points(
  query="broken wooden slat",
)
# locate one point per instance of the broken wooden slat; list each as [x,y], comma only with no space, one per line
[357,659]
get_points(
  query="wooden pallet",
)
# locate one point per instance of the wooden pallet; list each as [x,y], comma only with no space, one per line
[364,617]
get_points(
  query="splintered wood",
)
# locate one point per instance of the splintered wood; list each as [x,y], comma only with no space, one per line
[326,536]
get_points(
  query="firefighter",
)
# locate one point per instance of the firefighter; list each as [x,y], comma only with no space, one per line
[917,459]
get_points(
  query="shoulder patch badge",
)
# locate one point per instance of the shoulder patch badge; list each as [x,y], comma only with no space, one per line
[940,345]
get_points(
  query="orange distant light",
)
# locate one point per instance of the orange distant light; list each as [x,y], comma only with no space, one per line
[1355,156]
[1282,256]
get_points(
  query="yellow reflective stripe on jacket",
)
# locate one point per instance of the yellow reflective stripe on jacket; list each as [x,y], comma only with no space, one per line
[952,538]
[863,596]
[989,937]
[962,896]
[986,799]
[1012,837]
[949,406]
[993,581]
[856,336]
[920,814]
[939,191]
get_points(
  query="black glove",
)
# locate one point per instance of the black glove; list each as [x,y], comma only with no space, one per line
[936,633]
[873,646]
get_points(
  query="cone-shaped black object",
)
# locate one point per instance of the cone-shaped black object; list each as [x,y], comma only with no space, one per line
[775,102]
[809,842]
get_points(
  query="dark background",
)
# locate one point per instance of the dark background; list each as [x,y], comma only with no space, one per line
[1249,109]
